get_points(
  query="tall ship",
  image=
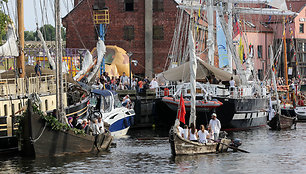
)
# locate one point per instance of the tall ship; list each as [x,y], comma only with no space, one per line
[244,104]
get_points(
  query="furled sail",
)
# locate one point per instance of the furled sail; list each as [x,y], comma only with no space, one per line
[101,49]
[280,4]
[87,62]
[10,47]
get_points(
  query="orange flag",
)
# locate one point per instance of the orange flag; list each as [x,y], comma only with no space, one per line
[181,113]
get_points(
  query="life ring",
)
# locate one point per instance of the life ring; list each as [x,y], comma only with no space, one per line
[166,92]
[125,123]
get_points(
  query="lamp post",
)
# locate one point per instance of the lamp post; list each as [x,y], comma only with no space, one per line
[129,54]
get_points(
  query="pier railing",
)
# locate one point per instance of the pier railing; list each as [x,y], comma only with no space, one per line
[163,91]
[17,87]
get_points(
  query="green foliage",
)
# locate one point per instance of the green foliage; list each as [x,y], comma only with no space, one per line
[29,35]
[4,19]
[51,121]
[48,32]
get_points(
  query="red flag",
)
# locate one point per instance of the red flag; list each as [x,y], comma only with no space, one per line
[181,113]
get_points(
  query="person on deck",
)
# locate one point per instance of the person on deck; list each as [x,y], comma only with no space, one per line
[192,136]
[126,101]
[203,135]
[215,125]
[38,68]
[95,128]
[179,128]
[232,85]
[211,134]
[185,131]
[101,125]
[70,119]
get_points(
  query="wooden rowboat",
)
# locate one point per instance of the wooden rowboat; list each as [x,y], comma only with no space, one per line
[182,146]
[279,122]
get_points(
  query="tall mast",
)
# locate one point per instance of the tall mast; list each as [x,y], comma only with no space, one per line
[59,74]
[285,57]
[20,60]
[210,41]
[230,32]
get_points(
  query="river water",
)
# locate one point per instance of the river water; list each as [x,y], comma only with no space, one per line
[148,151]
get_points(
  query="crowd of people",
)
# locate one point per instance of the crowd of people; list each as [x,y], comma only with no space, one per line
[123,83]
[202,135]
[91,127]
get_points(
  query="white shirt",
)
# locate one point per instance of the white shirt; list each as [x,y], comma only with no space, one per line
[202,136]
[101,125]
[192,136]
[124,79]
[185,132]
[232,83]
[153,84]
[215,125]
[95,129]
[180,129]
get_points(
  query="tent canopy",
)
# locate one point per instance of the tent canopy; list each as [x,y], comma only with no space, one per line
[182,73]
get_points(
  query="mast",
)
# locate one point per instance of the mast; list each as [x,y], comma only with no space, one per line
[285,58]
[210,40]
[193,74]
[59,74]
[273,79]
[20,60]
[230,32]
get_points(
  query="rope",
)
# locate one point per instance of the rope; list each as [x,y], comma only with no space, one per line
[40,134]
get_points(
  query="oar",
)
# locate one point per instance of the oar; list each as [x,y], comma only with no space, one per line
[231,147]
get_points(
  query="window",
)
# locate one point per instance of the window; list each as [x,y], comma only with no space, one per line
[13,109]
[128,33]
[99,4]
[259,51]
[301,28]
[158,33]
[5,110]
[46,104]
[129,5]
[158,5]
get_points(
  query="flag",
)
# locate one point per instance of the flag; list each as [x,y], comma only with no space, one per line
[241,50]
[181,113]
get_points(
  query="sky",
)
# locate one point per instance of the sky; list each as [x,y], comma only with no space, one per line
[30,12]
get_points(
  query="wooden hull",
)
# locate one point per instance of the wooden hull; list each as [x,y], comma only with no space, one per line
[279,122]
[181,146]
[38,139]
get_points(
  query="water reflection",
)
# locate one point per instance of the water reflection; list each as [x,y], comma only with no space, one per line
[147,151]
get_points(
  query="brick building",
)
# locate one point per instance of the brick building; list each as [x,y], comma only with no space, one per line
[143,28]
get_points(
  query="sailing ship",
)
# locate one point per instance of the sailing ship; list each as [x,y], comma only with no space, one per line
[246,106]
[180,145]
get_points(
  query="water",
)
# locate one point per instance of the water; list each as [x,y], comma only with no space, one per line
[149,152]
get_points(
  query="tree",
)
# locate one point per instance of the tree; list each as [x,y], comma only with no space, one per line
[48,32]
[4,20]
[29,35]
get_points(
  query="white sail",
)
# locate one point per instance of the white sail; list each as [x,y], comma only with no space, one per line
[10,47]
[280,4]
[193,74]
[101,49]
[86,63]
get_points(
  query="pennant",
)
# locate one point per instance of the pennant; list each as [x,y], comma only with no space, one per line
[241,50]
[181,112]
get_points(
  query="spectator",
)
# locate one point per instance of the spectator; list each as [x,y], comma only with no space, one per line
[124,79]
[38,68]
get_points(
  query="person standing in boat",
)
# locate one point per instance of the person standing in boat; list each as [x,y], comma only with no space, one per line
[95,128]
[185,131]
[192,136]
[232,85]
[38,68]
[215,125]
[203,135]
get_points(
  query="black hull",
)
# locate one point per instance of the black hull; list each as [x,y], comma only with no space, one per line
[251,111]
[38,139]
[242,114]
[9,145]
